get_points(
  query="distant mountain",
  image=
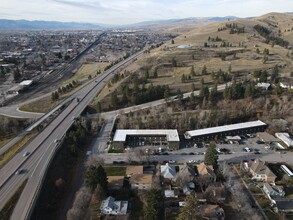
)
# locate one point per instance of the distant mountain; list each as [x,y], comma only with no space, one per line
[231,18]
[6,24]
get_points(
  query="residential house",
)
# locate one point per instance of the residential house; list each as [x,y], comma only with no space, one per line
[260,172]
[212,212]
[186,174]
[215,193]
[111,207]
[141,181]
[273,191]
[206,171]
[115,182]
[168,172]
[132,170]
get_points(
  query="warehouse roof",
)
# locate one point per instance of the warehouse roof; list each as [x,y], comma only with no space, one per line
[225,128]
[171,134]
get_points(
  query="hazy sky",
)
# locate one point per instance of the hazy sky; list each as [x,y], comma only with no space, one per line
[131,11]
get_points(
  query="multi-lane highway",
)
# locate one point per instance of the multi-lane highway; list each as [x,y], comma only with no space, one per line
[43,148]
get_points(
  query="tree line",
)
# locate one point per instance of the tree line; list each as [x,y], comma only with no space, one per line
[267,34]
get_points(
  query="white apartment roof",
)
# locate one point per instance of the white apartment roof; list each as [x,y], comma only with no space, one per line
[225,128]
[171,134]
[26,83]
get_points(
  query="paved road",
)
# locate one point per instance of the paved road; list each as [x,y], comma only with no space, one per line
[14,112]
[111,114]
[43,148]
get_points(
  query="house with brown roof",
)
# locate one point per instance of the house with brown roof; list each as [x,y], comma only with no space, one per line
[141,181]
[115,182]
[185,174]
[260,171]
[133,170]
[206,171]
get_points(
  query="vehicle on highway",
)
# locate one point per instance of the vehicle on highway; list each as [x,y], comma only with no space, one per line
[26,154]
[172,161]
[73,118]
[56,141]
[19,171]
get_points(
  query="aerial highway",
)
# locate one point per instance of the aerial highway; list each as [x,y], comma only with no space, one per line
[43,147]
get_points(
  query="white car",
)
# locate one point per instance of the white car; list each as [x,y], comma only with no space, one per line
[26,154]
[191,161]
[172,161]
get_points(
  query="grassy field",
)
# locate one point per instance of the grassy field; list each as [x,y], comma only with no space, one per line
[7,210]
[115,171]
[87,69]
[4,158]
[41,106]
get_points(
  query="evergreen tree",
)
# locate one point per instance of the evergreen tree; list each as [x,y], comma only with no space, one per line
[190,210]
[204,70]
[275,74]
[192,72]
[213,94]
[114,99]
[174,62]
[211,157]
[16,75]
[172,41]
[153,198]
[156,72]
[167,93]
[99,107]
[96,175]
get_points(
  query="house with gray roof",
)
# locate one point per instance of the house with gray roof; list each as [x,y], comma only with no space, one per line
[168,172]
[111,207]
[273,191]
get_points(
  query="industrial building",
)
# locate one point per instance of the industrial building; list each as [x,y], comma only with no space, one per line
[226,130]
[156,137]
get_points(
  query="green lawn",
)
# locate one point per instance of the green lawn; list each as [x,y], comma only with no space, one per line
[115,171]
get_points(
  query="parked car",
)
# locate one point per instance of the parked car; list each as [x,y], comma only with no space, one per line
[172,161]
[191,161]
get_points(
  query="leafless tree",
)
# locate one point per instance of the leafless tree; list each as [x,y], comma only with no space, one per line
[80,205]
[94,160]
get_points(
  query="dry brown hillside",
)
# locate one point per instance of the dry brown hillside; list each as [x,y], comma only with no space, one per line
[235,47]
